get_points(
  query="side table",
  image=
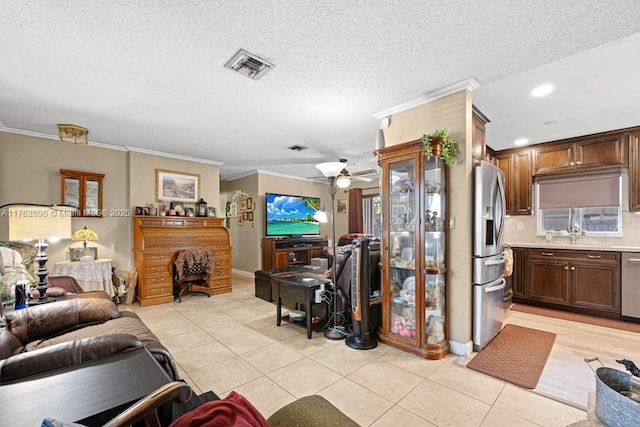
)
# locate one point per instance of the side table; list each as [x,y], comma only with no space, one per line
[92,276]
[299,288]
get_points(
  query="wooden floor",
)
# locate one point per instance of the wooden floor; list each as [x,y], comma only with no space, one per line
[566,376]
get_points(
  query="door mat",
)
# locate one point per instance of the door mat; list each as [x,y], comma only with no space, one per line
[516,355]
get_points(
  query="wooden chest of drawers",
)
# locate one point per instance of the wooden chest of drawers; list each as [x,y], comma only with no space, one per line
[156,241]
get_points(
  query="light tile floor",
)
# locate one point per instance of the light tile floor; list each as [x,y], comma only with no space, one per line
[231,342]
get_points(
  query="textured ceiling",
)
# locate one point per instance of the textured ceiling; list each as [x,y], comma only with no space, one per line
[149,74]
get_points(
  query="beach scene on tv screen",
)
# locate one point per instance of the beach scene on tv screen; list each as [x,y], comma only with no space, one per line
[287,215]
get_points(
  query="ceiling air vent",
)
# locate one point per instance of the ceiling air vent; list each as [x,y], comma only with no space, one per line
[249,64]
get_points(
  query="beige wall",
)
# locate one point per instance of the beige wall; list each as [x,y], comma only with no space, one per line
[452,112]
[246,239]
[30,173]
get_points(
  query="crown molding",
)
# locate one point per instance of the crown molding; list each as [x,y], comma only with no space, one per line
[468,84]
[230,178]
[172,156]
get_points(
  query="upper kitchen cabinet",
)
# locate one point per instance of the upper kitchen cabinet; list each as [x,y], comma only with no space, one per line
[634,172]
[516,166]
[584,153]
[478,147]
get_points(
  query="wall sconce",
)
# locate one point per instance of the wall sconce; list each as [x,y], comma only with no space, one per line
[72,133]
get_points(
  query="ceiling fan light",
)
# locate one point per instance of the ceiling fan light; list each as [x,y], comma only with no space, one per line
[343,181]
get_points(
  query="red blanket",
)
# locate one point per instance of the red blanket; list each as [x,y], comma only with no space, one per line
[234,410]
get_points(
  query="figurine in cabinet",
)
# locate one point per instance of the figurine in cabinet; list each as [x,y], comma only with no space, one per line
[435,330]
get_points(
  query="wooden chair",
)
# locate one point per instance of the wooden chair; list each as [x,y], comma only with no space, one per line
[192,268]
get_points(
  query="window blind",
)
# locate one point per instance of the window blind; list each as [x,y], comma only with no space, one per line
[584,191]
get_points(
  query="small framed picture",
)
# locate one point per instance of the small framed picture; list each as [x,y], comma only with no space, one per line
[189,211]
[243,205]
[250,216]
[249,203]
[139,210]
[146,210]
[76,253]
[211,211]
[342,205]
[240,219]
[245,216]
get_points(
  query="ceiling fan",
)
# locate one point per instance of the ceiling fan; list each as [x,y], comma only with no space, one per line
[345,176]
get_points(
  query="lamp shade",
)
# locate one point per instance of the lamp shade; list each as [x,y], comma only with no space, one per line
[321,215]
[39,222]
[330,169]
[84,234]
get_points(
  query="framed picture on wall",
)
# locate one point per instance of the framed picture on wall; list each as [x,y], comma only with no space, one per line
[250,216]
[250,204]
[240,219]
[177,186]
[243,205]
[341,205]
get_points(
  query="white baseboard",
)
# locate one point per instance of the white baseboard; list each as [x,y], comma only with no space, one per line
[461,349]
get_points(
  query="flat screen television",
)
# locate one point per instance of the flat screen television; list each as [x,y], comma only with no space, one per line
[291,215]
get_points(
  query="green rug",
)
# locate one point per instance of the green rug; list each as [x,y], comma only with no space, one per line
[310,411]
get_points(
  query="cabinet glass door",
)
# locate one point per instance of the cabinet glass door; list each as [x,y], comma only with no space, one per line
[434,250]
[402,248]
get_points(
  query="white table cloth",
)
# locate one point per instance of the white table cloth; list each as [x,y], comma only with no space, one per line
[92,276]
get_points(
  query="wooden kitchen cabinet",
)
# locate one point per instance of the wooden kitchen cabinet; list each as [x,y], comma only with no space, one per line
[583,281]
[519,271]
[584,153]
[634,172]
[516,166]
[478,135]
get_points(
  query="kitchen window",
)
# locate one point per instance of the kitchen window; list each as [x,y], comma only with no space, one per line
[592,203]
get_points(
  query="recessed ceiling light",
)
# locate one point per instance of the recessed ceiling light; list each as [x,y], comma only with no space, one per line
[521,141]
[542,90]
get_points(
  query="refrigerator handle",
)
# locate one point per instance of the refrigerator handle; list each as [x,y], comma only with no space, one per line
[495,288]
[494,262]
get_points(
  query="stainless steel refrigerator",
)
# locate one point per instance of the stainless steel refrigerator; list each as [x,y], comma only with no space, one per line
[488,257]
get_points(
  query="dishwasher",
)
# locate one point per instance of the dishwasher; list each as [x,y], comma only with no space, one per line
[630,286]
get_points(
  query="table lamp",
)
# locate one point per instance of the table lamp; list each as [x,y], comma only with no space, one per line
[331,170]
[83,235]
[42,222]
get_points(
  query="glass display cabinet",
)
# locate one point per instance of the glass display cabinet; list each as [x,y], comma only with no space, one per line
[413,250]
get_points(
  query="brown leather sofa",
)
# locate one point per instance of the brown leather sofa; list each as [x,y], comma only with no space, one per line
[67,332]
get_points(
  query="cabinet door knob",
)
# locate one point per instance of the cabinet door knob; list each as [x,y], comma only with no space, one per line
[572,164]
[573,269]
[566,268]
[547,254]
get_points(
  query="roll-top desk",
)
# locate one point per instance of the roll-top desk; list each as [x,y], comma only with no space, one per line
[156,239]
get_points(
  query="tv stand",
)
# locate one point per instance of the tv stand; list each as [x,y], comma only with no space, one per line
[287,252]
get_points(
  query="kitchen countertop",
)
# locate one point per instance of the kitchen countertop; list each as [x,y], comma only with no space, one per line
[577,247]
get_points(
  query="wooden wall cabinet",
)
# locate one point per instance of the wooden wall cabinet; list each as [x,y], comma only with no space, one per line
[284,253]
[582,281]
[478,135]
[157,239]
[634,172]
[82,190]
[587,153]
[413,250]
[517,168]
